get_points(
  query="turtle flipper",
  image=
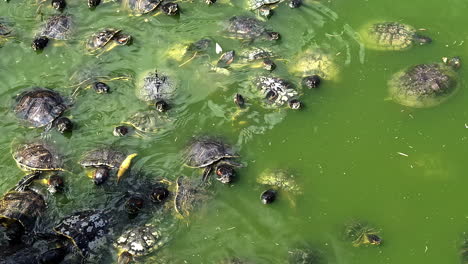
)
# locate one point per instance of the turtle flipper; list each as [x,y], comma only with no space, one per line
[26,181]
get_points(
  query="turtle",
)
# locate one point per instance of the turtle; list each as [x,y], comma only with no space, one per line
[42,107]
[189,50]
[249,28]
[277,92]
[391,36]
[314,64]
[57,27]
[304,256]
[103,160]
[361,233]
[6,31]
[189,194]
[19,212]
[106,39]
[144,122]
[141,7]
[278,180]
[425,85]
[157,87]
[210,153]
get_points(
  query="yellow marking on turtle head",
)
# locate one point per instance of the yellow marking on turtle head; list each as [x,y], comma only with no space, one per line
[125,165]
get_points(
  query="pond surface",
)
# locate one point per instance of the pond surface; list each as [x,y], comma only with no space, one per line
[356,154]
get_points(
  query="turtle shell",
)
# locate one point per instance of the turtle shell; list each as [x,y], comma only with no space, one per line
[22,206]
[39,106]
[389,36]
[148,121]
[189,194]
[283,90]
[280,178]
[140,240]
[57,27]
[100,39]
[423,85]
[37,156]
[87,230]
[157,86]
[143,6]
[205,151]
[108,157]
[256,4]
[5,30]
[245,27]
[315,62]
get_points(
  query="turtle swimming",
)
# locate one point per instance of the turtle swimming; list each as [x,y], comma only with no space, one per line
[392,36]
[106,39]
[425,85]
[212,154]
[249,28]
[158,88]
[313,65]
[141,7]
[41,107]
[278,180]
[360,233]
[57,27]
[277,92]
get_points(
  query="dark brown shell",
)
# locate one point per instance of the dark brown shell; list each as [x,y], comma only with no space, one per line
[22,206]
[37,156]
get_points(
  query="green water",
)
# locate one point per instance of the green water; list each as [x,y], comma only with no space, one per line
[344,146]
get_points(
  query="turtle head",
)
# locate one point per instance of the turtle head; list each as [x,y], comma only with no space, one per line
[134,205]
[39,43]
[295,104]
[122,39]
[125,258]
[454,62]
[422,39]
[311,81]
[225,173]
[101,174]
[93,3]
[101,88]
[239,100]
[159,194]
[59,4]
[295,3]
[63,125]
[55,184]
[268,196]
[273,35]
[120,131]
[170,9]
[372,239]
[162,106]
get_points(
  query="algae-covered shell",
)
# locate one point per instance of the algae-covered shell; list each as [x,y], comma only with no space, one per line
[57,27]
[315,62]
[156,86]
[280,178]
[37,156]
[423,85]
[142,6]
[391,36]
[148,121]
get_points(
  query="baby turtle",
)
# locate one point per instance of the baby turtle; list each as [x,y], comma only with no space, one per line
[57,27]
[277,92]
[314,62]
[210,153]
[104,160]
[425,85]
[360,233]
[141,7]
[41,107]
[249,28]
[279,180]
[87,231]
[100,40]
[19,211]
[159,88]
[392,36]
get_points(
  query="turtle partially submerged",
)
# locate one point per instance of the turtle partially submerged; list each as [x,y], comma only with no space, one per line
[41,107]
[157,87]
[145,122]
[392,36]
[37,157]
[210,153]
[314,62]
[425,85]
[57,27]
[304,256]
[189,194]
[87,231]
[105,160]
[141,7]
[278,180]
[360,233]
[6,31]
[106,39]
[277,92]
[249,28]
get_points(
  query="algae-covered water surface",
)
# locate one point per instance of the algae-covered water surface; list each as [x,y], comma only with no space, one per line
[353,153]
